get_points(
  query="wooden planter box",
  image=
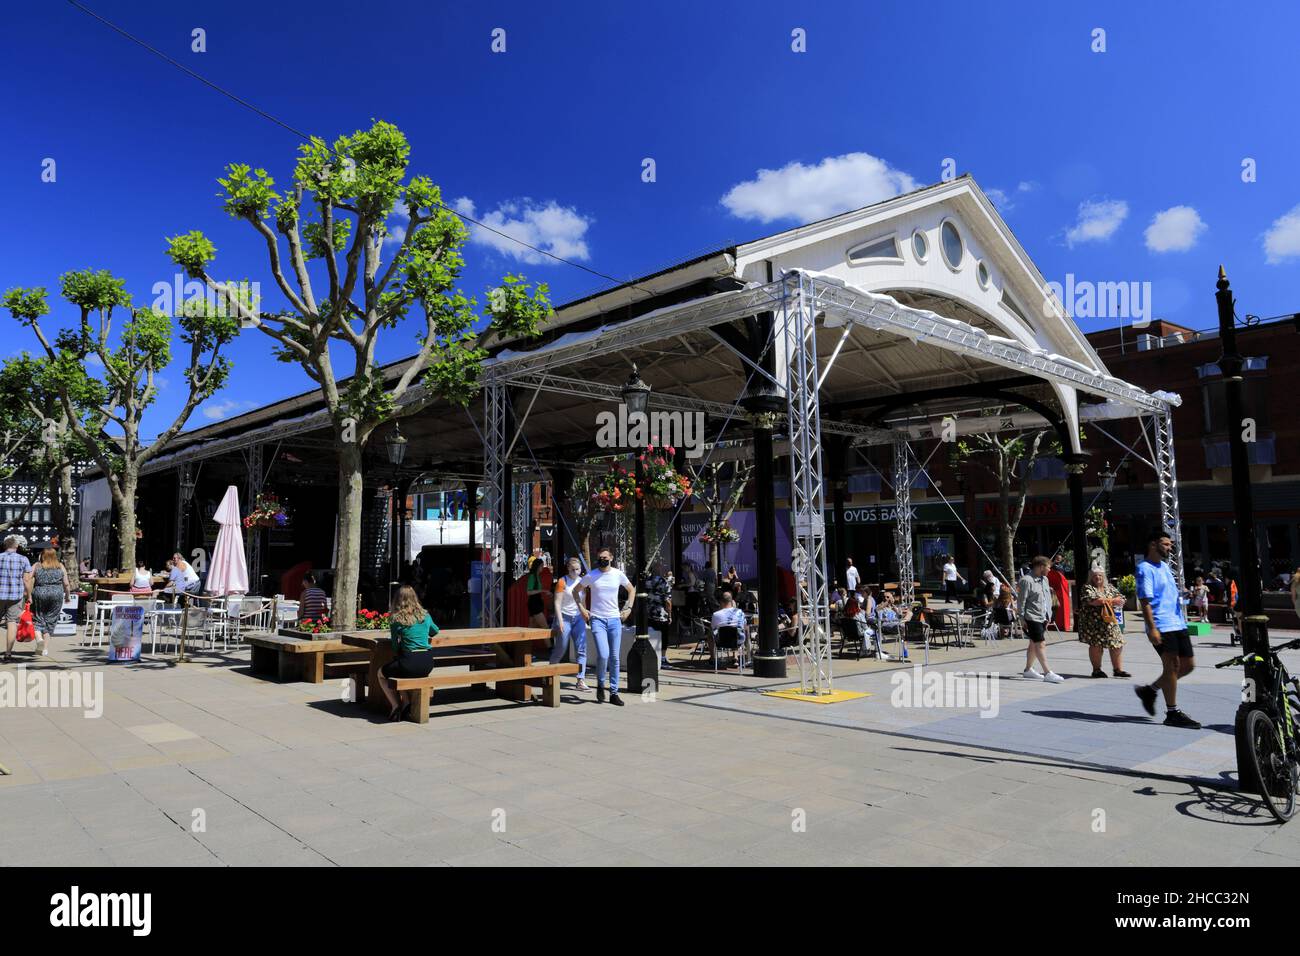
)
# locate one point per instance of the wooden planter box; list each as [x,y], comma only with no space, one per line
[307,635]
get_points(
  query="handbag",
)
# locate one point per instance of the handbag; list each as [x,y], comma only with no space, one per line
[26,627]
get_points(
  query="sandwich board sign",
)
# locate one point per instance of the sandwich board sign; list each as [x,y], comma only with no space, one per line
[126,635]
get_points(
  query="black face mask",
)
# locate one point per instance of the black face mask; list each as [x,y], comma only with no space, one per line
[603,562]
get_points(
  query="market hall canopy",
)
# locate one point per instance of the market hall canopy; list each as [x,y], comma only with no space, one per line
[875,325]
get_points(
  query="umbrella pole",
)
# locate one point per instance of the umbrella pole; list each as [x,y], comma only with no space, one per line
[185,625]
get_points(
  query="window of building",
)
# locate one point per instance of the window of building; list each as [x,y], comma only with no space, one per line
[953,247]
[883,248]
[920,245]
[1254,400]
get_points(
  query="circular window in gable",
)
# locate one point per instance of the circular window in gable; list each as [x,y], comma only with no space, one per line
[920,247]
[950,240]
[982,273]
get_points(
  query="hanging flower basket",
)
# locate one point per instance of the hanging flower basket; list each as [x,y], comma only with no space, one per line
[267,512]
[615,491]
[720,533]
[662,485]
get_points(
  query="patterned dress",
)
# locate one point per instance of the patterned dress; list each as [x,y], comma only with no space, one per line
[1094,629]
[47,598]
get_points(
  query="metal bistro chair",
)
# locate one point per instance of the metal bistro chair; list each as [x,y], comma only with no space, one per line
[728,638]
[944,625]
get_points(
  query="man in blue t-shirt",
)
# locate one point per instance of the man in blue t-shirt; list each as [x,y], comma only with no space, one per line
[1161,604]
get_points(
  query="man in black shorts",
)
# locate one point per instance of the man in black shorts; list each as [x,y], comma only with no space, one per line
[1158,594]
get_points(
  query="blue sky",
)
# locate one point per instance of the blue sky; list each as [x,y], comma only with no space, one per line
[1082,150]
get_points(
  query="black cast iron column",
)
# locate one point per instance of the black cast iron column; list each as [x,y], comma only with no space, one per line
[561,539]
[836,450]
[769,661]
[1075,463]
[642,662]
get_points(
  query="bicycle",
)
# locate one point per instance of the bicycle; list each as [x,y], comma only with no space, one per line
[1270,730]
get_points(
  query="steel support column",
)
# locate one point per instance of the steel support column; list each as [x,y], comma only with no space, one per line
[1166,474]
[903,521]
[808,554]
[520,525]
[495,506]
[769,661]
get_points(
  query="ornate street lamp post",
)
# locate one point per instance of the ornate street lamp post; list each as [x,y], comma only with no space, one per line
[642,664]
[1107,476]
[395,445]
[1254,628]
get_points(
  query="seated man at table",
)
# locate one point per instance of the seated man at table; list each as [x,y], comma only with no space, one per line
[410,630]
[313,605]
[182,577]
[730,616]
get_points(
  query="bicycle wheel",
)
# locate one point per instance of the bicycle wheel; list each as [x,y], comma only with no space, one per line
[1276,774]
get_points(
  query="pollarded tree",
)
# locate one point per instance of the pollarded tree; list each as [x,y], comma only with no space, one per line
[30,402]
[1010,459]
[115,405]
[336,210]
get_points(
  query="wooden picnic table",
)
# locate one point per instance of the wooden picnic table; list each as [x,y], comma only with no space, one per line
[511,646]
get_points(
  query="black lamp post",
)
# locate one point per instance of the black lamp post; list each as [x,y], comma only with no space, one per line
[395,445]
[642,664]
[1254,628]
[1107,476]
[187,496]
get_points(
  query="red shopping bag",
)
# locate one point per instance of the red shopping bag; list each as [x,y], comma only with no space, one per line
[26,629]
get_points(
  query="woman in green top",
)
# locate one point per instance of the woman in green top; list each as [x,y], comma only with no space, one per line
[410,628]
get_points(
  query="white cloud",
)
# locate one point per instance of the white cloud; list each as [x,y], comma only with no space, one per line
[559,230]
[1282,241]
[1097,221]
[1174,230]
[1027,186]
[1000,199]
[226,409]
[397,224]
[807,193]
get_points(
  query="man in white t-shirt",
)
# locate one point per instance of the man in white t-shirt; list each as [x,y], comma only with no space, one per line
[950,578]
[730,616]
[606,619]
[569,622]
[852,576]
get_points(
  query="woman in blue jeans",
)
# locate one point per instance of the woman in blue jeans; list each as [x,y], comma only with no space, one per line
[605,619]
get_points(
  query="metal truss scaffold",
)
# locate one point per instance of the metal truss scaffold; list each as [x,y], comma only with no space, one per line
[521,519]
[494,448]
[808,557]
[903,522]
[1163,427]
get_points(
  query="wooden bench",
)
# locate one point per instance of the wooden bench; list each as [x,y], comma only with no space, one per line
[546,675]
[359,670]
[297,658]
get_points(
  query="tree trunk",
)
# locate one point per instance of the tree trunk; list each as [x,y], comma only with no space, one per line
[1006,534]
[124,504]
[348,573]
[61,511]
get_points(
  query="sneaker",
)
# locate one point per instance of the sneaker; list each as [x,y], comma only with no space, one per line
[1176,718]
[664,665]
[1147,695]
[1053,678]
[882,656]
[581,685]
[1030,674]
[618,702]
